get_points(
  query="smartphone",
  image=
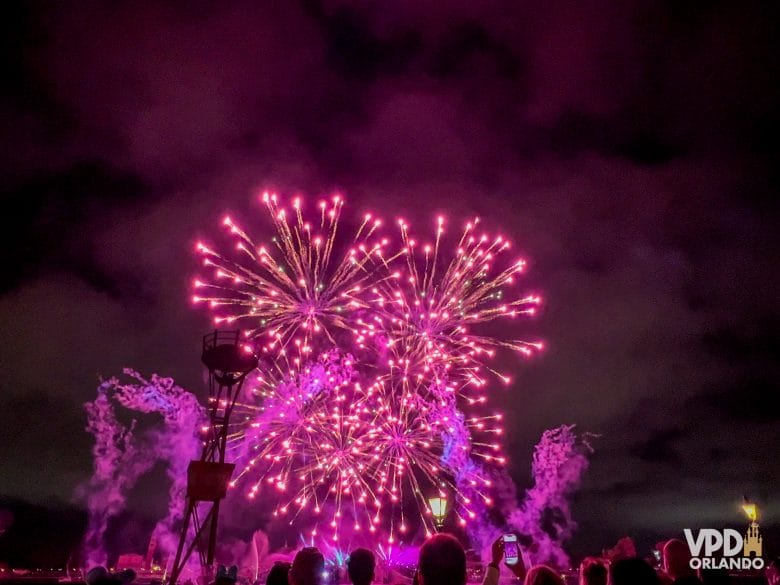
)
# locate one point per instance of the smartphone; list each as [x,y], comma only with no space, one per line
[511,549]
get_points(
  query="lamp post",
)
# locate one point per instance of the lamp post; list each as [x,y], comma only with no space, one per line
[438,505]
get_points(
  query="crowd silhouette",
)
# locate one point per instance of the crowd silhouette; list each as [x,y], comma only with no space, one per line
[442,561]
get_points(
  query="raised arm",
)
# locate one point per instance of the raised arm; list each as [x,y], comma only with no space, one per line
[496,554]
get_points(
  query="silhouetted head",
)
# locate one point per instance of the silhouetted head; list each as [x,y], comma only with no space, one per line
[126,577]
[278,574]
[593,571]
[714,577]
[226,576]
[101,576]
[543,575]
[96,575]
[442,561]
[677,559]
[632,572]
[773,572]
[360,566]
[687,580]
[307,567]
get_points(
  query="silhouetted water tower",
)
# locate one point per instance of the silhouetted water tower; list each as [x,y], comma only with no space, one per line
[228,362]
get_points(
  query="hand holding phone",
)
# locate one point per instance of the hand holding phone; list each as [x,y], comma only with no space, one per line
[511,549]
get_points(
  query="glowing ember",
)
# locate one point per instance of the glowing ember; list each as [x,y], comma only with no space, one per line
[751,511]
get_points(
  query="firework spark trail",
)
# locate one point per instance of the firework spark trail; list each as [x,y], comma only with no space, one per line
[318,433]
[369,444]
[293,285]
[308,440]
[427,317]
[122,456]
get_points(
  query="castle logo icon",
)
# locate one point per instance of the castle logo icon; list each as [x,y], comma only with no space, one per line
[752,541]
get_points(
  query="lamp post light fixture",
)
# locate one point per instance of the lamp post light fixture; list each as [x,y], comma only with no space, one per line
[750,510]
[438,505]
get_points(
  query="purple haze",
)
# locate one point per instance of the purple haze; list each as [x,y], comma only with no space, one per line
[121,458]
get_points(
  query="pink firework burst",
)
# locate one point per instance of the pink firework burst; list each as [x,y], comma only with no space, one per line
[371,395]
[431,302]
[292,285]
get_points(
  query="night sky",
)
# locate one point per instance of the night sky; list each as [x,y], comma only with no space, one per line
[630,149]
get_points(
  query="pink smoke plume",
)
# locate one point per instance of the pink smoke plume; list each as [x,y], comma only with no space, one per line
[559,462]
[543,517]
[121,457]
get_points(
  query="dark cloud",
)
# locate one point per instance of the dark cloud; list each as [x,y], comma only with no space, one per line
[747,399]
[630,149]
[758,341]
[50,212]
[354,52]
[660,447]
[468,49]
